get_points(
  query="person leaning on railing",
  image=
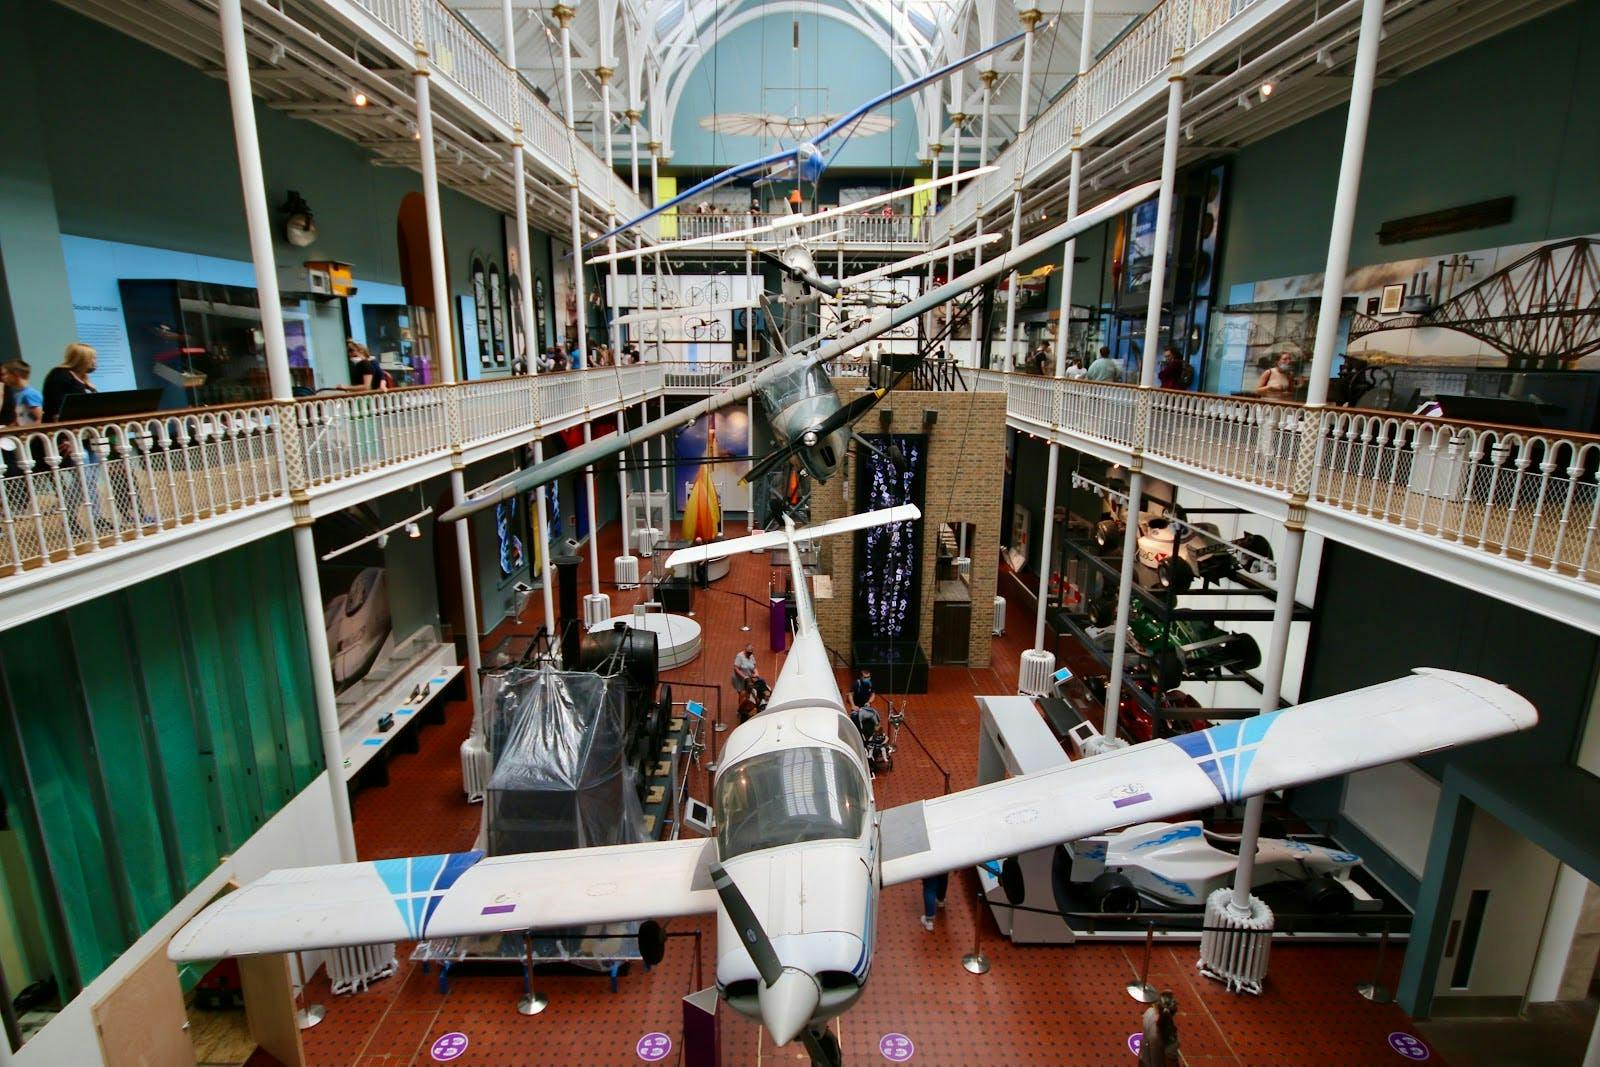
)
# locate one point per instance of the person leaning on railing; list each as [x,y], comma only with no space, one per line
[366,374]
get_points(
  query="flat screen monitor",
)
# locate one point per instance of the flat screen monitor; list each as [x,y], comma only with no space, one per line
[113,405]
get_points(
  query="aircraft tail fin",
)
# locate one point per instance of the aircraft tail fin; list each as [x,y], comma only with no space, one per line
[791,538]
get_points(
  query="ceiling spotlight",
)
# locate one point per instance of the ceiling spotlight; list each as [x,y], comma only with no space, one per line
[1325,58]
[1267,88]
[1245,101]
[358,98]
[413,531]
[416,134]
[383,539]
[1188,132]
[487,173]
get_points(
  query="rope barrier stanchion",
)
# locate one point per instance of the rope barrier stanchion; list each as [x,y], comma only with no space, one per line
[745,602]
[1375,990]
[975,962]
[1142,990]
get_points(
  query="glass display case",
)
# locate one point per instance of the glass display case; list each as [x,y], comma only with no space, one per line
[201,343]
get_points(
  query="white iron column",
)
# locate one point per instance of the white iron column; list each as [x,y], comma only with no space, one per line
[1288,568]
[957,119]
[933,200]
[1338,262]
[751,288]
[258,224]
[1150,357]
[530,322]
[1030,19]
[632,115]
[1064,325]
[978,327]
[1344,202]
[447,362]
[564,14]
[604,74]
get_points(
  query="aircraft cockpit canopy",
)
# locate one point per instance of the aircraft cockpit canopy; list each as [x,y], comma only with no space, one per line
[788,797]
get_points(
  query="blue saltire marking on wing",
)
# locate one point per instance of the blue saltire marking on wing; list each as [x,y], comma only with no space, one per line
[454,866]
[393,873]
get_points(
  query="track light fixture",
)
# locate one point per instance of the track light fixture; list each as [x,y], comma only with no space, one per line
[1268,87]
[359,98]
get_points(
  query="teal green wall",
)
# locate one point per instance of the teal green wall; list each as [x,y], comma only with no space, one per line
[1513,116]
[160,726]
[105,137]
[33,271]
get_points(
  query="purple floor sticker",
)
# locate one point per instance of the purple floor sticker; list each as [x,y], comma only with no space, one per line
[653,1047]
[1410,1046]
[1135,1042]
[449,1047]
[896,1048]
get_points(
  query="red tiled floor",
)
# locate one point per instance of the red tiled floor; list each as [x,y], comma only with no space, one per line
[1037,1006]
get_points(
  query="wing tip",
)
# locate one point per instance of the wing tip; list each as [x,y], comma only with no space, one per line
[1517,709]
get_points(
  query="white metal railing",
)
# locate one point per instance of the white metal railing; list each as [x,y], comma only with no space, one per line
[1520,494]
[355,433]
[1133,65]
[863,228]
[1524,496]
[74,489]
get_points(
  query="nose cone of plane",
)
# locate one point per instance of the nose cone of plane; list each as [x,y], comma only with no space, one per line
[788,1004]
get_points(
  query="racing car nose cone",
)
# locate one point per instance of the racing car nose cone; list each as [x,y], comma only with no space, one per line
[787,1004]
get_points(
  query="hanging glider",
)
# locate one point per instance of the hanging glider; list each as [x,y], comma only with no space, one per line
[806,160]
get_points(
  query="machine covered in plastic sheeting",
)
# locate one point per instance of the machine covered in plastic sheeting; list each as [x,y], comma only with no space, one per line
[561,777]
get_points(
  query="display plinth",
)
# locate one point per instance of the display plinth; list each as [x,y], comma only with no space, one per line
[677,637]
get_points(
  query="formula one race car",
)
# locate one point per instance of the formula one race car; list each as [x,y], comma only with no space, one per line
[1177,552]
[1175,649]
[1180,864]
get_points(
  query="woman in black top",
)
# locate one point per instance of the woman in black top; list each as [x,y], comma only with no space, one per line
[69,379]
[365,373]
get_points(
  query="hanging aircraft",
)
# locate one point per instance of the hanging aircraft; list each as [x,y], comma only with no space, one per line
[800,852]
[807,418]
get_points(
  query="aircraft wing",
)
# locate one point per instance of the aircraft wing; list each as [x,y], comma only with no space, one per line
[454,895]
[1426,711]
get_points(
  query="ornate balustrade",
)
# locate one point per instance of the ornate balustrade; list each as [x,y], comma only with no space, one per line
[1528,498]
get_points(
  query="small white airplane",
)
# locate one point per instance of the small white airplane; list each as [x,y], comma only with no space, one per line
[801,852]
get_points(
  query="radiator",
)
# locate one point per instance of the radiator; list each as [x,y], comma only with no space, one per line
[1035,676]
[999,615]
[596,608]
[626,570]
[355,967]
[476,766]
[1234,947]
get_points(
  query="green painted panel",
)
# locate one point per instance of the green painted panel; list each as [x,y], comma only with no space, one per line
[210,655]
[189,769]
[39,663]
[114,706]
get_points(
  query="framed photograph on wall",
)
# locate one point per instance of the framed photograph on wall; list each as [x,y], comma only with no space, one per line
[1393,296]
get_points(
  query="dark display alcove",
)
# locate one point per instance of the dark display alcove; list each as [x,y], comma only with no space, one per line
[886,589]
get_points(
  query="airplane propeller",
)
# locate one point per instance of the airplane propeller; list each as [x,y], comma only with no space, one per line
[788,995]
[844,416]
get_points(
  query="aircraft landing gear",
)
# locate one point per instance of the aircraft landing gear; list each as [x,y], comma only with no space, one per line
[824,1047]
